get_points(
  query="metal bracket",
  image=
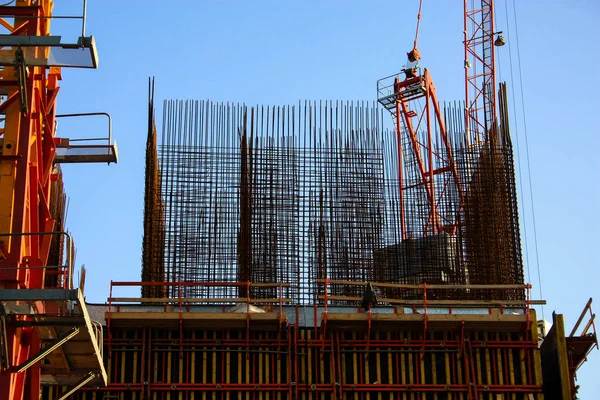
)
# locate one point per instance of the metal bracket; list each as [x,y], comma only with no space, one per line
[48,349]
[21,73]
[82,382]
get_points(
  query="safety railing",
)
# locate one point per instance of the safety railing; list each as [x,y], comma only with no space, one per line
[589,329]
[97,328]
[63,272]
[424,300]
[182,301]
[386,87]
[87,150]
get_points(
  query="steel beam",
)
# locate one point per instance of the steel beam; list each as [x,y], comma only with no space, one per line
[82,382]
[48,349]
[38,294]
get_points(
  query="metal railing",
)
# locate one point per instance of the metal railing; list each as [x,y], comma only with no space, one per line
[98,331]
[65,271]
[386,87]
[87,146]
[181,301]
[82,17]
[423,302]
[590,324]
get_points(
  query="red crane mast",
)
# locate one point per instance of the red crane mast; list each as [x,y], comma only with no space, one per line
[480,74]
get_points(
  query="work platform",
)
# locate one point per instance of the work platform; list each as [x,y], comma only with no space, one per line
[488,322]
[71,342]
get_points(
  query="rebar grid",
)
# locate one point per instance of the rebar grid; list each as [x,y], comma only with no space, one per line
[270,194]
[153,244]
[299,193]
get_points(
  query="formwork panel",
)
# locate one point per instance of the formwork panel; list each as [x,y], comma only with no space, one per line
[323,362]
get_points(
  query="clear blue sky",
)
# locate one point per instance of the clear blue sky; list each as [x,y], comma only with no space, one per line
[277,52]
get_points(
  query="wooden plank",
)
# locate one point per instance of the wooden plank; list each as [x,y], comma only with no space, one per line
[344,379]
[258,321]
[194,315]
[511,371]
[214,366]
[447,369]
[378,371]
[309,362]
[499,355]
[247,361]
[478,360]
[278,365]
[433,369]
[487,358]
[355,365]
[228,366]
[407,286]
[193,365]
[135,363]
[390,365]
[402,369]
[411,368]
[454,303]
[204,363]
[195,300]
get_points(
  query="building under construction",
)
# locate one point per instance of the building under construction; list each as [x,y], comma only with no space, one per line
[308,251]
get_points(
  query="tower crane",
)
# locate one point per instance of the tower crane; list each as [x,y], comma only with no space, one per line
[42,315]
[428,169]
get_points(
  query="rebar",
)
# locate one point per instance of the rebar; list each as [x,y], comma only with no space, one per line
[153,244]
[299,193]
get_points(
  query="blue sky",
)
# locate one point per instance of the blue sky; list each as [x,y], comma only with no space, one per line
[278,52]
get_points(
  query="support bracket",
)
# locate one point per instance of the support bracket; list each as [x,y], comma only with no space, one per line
[48,349]
[82,382]
[21,72]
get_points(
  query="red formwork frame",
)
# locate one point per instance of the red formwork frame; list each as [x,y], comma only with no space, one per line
[27,174]
[180,301]
[320,340]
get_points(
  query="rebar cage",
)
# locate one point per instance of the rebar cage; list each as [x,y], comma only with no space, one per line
[302,193]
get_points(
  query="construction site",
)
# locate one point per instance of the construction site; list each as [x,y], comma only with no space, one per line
[325,249]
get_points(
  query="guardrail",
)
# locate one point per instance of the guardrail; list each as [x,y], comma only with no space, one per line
[423,301]
[181,301]
[64,272]
[386,86]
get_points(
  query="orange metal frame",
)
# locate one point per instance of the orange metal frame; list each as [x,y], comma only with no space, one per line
[431,117]
[26,165]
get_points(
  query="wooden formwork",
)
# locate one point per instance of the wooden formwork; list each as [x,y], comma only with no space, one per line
[341,355]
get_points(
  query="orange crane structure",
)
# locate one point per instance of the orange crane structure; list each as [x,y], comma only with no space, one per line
[46,334]
[297,252]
